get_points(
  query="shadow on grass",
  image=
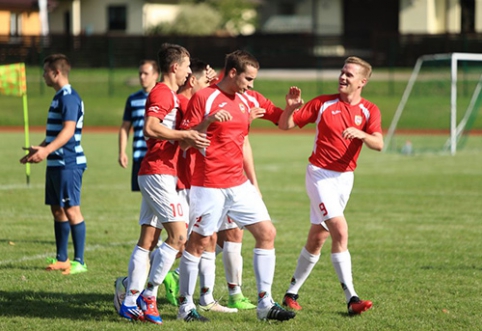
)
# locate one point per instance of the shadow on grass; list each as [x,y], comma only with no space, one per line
[55,305]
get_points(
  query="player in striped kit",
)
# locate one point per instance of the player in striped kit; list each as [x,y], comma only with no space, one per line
[66,164]
[134,118]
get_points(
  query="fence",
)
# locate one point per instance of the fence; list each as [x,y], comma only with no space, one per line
[272,50]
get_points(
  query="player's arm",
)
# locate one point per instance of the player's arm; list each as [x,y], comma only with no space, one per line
[293,102]
[123,138]
[220,116]
[248,163]
[39,153]
[373,141]
[155,130]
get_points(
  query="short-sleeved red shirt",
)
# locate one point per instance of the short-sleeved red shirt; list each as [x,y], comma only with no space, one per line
[332,116]
[161,156]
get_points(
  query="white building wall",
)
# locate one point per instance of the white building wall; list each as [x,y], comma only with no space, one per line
[478,16]
[413,17]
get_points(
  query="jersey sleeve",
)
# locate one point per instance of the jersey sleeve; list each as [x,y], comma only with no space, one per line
[127,117]
[159,104]
[374,123]
[70,108]
[273,113]
[194,112]
[308,113]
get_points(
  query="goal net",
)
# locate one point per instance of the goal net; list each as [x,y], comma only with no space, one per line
[439,104]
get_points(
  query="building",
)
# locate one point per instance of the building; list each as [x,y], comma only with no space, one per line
[75,17]
[361,17]
[350,18]
[24,17]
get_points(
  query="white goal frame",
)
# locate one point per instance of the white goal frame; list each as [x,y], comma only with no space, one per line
[455,131]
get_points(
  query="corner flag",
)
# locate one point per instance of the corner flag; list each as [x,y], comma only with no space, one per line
[13,79]
[13,82]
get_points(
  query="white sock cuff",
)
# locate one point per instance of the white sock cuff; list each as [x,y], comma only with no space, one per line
[188,256]
[208,255]
[310,257]
[168,249]
[139,248]
[265,252]
[232,247]
[340,257]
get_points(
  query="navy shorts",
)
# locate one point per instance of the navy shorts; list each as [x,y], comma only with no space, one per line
[135,170]
[62,186]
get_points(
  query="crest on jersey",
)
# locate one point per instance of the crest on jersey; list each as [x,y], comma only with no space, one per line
[242,108]
[358,119]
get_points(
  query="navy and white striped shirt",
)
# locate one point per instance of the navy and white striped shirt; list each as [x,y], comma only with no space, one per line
[66,106]
[134,113]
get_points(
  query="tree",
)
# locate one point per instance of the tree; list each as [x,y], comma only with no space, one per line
[193,20]
[238,16]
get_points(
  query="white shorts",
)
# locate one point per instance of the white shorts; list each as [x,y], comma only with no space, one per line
[160,201]
[227,224]
[210,206]
[328,191]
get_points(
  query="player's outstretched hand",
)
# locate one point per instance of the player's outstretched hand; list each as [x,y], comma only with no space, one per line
[293,98]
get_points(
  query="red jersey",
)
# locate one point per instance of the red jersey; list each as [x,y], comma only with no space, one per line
[256,99]
[161,156]
[221,164]
[185,163]
[332,116]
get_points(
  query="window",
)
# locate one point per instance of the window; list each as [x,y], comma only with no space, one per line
[468,16]
[286,8]
[117,18]
[15,24]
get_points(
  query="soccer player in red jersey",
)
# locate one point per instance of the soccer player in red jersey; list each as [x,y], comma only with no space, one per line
[219,186]
[160,207]
[229,235]
[344,122]
[202,76]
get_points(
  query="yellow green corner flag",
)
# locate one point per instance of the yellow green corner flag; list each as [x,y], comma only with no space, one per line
[13,82]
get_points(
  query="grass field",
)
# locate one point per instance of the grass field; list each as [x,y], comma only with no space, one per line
[414,239]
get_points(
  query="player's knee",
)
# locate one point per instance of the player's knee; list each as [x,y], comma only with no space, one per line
[264,231]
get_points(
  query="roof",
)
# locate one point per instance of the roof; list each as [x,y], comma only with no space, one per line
[24,5]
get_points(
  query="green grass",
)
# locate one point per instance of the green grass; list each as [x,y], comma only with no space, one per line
[414,239]
[104,93]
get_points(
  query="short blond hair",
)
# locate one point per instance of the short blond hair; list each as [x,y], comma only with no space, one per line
[367,68]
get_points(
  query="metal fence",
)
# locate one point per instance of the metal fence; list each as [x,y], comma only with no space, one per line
[272,50]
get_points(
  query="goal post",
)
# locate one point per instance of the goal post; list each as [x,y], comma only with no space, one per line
[456,129]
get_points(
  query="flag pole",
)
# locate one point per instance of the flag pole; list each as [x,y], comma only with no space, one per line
[27,139]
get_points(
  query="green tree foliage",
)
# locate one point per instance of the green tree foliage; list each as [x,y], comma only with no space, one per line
[208,17]
[193,19]
[237,14]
